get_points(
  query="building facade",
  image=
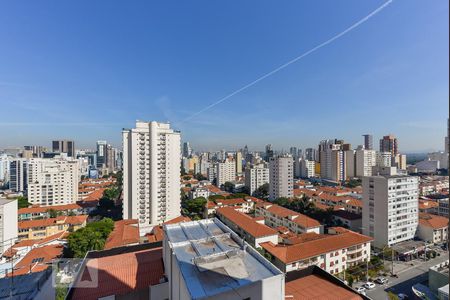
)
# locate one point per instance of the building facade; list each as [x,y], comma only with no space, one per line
[256,176]
[390,207]
[151,173]
[281,177]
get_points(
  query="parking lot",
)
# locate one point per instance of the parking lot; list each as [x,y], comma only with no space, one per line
[408,274]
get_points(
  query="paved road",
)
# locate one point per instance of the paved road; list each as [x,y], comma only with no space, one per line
[406,278]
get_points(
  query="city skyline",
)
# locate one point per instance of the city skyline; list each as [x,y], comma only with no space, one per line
[148,69]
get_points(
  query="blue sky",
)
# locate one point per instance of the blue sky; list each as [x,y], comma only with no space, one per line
[85,69]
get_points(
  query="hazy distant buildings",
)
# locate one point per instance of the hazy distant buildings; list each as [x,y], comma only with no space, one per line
[18,175]
[307,168]
[390,207]
[64,146]
[269,152]
[239,162]
[151,173]
[187,150]
[281,177]
[368,142]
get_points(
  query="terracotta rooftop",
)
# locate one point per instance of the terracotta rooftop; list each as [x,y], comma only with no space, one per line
[312,248]
[36,260]
[433,221]
[316,287]
[95,195]
[42,209]
[125,232]
[282,212]
[246,223]
[72,220]
[122,274]
[424,204]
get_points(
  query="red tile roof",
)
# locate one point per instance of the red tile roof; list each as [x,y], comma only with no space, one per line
[122,274]
[314,287]
[36,260]
[95,195]
[246,223]
[433,221]
[298,218]
[71,220]
[312,248]
[424,204]
[125,232]
[42,209]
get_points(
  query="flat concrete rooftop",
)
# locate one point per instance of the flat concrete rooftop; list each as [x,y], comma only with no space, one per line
[213,259]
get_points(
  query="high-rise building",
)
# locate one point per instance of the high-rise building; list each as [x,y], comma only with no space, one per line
[18,174]
[446,146]
[102,154]
[239,162]
[64,146]
[52,181]
[332,160]
[390,207]
[4,167]
[365,160]
[187,150]
[151,173]
[389,144]
[294,152]
[350,163]
[269,152]
[226,171]
[256,176]
[368,141]
[8,224]
[384,159]
[307,168]
[38,151]
[281,177]
[311,154]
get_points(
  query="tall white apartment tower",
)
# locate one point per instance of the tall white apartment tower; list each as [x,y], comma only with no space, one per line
[226,171]
[281,176]
[256,176]
[8,223]
[151,173]
[390,207]
[365,161]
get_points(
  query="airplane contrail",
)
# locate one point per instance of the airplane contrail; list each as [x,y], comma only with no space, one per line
[330,40]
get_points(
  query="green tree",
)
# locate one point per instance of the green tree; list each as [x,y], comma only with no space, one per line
[111,193]
[262,192]
[22,202]
[215,197]
[228,186]
[194,208]
[304,206]
[200,177]
[52,213]
[282,201]
[91,237]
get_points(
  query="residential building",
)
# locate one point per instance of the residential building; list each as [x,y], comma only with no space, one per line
[281,177]
[442,157]
[256,176]
[389,144]
[252,231]
[203,259]
[37,151]
[151,173]
[275,216]
[245,205]
[18,175]
[8,223]
[365,160]
[399,161]
[199,192]
[226,171]
[311,154]
[331,252]
[368,141]
[102,154]
[187,150]
[307,168]
[42,228]
[269,152]
[390,207]
[64,146]
[432,228]
[350,163]
[384,159]
[4,167]
[239,162]
[43,212]
[52,181]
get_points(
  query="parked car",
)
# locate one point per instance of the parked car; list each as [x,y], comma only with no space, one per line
[369,285]
[381,280]
[361,290]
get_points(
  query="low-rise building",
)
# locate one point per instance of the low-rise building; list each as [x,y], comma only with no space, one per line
[199,192]
[243,205]
[38,229]
[333,252]
[206,260]
[348,219]
[125,232]
[275,216]
[252,231]
[432,228]
[39,212]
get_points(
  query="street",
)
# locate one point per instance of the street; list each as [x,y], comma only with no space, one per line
[407,277]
